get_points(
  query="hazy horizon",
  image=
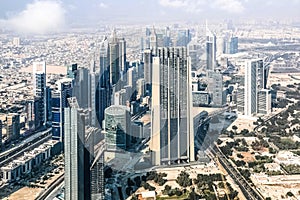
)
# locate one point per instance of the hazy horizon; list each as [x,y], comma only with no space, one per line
[44,16]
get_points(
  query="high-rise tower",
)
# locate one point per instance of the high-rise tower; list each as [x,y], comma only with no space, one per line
[13,126]
[59,103]
[148,67]
[77,157]
[39,89]
[153,41]
[211,50]
[172,129]
[114,58]
[117,127]
[254,82]
[103,91]
[122,54]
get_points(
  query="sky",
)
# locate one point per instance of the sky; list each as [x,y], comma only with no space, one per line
[44,16]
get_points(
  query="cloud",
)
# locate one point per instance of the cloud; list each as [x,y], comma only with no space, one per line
[174,3]
[233,6]
[102,5]
[230,6]
[39,17]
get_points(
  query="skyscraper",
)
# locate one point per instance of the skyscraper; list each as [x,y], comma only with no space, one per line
[81,87]
[194,53]
[114,58]
[167,37]
[231,45]
[215,87]
[30,117]
[117,127]
[92,96]
[59,103]
[147,42]
[13,126]
[183,37]
[77,158]
[148,67]
[140,85]
[172,131]
[48,104]
[71,71]
[103,91]
[211,50]
[97,175]
[264,101]
[122,54]
[131,76]
[153,41]
[39,89]
[240,99]
[254,82]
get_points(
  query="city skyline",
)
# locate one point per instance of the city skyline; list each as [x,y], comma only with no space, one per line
[180,99]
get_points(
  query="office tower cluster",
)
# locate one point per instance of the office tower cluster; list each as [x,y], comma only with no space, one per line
[210,91]
[101,104]
[213,94]
[252,95]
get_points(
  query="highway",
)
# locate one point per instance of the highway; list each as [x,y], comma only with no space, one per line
[26,145]
[248,191]
[24,142]
[214,152]
[58,182]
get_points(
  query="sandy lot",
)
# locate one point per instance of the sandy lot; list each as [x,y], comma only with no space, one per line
[282,78]
[25,193]
[243,122]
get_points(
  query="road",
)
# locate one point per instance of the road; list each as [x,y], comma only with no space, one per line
[55,191]
[248,191]
[52,187]
[26,145]
[24,142]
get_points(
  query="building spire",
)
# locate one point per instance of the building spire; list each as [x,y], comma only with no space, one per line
[114,35]
[153,30]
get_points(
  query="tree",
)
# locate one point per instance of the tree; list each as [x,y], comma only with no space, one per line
[219,141]
[239,155]
[184,180]
[290,194]
[159,178]
[234,127]
[240,163]
[193,195]
[245,132]
[178,192]
[166,189]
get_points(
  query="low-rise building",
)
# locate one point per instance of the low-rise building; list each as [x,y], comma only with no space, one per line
[24,164]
